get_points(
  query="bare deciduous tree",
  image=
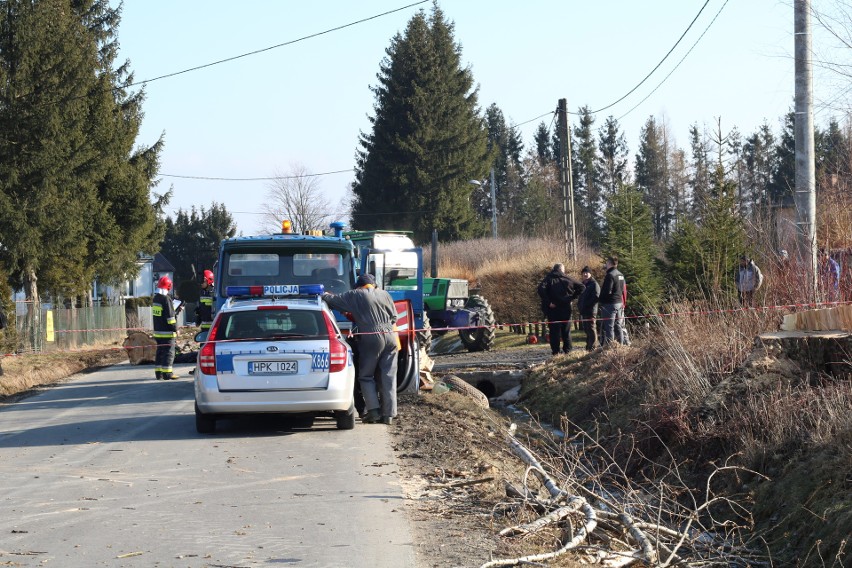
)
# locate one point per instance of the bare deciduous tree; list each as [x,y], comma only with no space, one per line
[296,195]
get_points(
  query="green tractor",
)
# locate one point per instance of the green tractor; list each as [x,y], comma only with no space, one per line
[446,303]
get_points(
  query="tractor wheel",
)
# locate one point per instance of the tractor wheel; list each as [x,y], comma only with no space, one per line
[479,338]
[424,335]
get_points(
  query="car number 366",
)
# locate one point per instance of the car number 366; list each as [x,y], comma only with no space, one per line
[272,367]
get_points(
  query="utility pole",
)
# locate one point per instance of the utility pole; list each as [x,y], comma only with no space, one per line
[805,193]
[493,206]
[566,182]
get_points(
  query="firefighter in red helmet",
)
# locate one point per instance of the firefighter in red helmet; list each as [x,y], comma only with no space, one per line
[204,311]
[165,329]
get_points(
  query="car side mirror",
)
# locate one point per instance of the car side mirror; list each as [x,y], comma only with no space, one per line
[201,336]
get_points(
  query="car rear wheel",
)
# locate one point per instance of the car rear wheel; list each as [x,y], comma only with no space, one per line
[345,418]
[204,423]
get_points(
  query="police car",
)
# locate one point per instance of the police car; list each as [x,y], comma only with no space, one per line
[274,349]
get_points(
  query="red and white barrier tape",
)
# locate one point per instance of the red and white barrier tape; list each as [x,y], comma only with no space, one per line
[501,325]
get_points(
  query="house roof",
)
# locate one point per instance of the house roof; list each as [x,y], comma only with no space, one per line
[162,264]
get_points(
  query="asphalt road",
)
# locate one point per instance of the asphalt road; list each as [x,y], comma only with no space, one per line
[108,470]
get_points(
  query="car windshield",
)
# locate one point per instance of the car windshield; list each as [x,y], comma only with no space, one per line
[271,324]
[321,266]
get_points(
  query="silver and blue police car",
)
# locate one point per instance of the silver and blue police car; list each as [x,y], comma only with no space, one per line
[274,349]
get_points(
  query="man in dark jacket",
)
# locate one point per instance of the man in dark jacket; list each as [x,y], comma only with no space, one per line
[612,303]
[165,330]
[587,303]
[557,291]
[375,315]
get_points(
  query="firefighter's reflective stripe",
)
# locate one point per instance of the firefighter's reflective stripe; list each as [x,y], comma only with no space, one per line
[172,321]
[164,334]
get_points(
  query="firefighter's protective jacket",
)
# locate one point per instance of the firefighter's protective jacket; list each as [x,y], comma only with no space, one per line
[165,322]
[204,311]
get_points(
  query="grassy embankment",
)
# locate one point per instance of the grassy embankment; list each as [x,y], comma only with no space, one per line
[694,389]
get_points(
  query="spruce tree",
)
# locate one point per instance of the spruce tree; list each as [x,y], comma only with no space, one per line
[69,146]
[630,236]
[586,187]
[543,148]
[192,239]
[759,162]
[505,145]
[704,257]
[428,141]
[651,170]
[700,182]
[612,171]
[45,76]
[783,180]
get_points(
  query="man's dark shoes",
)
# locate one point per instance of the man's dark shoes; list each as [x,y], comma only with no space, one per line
[387,420]
[159,375]
[372,417]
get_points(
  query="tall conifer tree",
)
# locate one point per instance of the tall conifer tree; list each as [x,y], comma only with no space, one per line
[74,193]
[651,169]
[428,141]
[630,236]
[612,158]
[586,187]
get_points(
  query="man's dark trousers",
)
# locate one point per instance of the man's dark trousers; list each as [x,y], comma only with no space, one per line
[589,326]
[559,326]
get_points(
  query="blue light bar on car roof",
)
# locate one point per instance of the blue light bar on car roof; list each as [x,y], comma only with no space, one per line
[276,290]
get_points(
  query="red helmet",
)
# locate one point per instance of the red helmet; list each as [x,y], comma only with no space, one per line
[208,276]
[164,282]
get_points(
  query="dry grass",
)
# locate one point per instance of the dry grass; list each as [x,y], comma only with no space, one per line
[24,372]
[507,271]
[695,387]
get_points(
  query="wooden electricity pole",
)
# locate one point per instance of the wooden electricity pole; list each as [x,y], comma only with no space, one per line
[566,182]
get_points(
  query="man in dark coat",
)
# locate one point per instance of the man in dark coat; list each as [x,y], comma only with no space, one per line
[557,291]
[612,303]
[588,306]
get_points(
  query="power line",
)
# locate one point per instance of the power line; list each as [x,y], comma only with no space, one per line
[536,118]
[286,43]
[678,63]
[419,211]
[646,76]
[658,64]
[272,178]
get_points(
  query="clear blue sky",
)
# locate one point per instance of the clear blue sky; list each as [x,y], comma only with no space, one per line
[306,102]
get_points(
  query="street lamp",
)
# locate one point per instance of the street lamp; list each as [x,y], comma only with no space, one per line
[493,201]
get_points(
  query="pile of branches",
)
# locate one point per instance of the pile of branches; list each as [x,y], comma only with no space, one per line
[605,518]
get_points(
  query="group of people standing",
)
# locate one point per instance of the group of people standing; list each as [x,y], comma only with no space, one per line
[748,278]
[601,307]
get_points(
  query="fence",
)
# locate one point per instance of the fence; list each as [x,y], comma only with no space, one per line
[62,329]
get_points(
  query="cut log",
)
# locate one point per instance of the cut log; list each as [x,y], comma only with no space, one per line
[822,351]
[141,348]
[838,318]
